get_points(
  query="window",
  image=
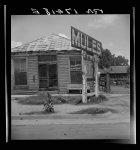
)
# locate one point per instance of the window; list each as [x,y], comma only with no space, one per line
[76,70]
[20,72]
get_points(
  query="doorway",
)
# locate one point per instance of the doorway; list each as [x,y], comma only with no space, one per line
[48,76]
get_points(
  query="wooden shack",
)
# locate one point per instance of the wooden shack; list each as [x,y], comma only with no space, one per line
[118,74]
[50,64]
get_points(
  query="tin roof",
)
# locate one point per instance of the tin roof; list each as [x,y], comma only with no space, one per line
[114,69]
[53,42]
[118,69]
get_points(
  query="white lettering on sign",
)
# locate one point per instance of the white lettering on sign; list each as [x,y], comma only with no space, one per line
[88,44]
[75,38]
[94,44]
[83,41]
[99,46]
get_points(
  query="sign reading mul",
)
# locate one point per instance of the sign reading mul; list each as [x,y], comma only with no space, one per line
[85,42]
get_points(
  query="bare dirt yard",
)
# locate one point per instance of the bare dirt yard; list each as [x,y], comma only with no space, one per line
[66,123]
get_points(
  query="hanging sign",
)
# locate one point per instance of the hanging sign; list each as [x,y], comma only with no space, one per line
[76,67]
[85,42]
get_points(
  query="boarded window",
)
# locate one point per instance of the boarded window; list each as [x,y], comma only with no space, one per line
[20,72]
[76,70]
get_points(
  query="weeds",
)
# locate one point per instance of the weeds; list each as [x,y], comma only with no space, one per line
[99,99]
[38,100]
[94,111]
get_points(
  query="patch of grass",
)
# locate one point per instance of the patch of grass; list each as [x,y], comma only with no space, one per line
[59,100]
[38,100]
[94,111]
[99,99]
[37,113]
[32,100]
[67,99]
[92,100]
[120,90]
[75,100]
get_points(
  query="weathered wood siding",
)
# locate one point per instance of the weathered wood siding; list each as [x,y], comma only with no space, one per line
[91,85]
[89,66]
[63,72]
[32,75]
[12,74]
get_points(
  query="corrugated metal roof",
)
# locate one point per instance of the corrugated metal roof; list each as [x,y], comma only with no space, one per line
[53,42]
[114,69]
[118,69]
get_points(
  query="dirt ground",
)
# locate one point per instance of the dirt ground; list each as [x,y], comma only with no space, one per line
[71,131]
[120,90]
[121,104]
[62,125]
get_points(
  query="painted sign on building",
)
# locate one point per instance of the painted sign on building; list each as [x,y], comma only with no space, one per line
[77,67]
[85,42]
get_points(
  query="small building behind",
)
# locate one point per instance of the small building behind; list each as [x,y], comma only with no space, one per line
[118,74]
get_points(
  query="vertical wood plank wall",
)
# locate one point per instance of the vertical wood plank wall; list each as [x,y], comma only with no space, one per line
[90,75]
[33,71]
[63,69]
[63,72]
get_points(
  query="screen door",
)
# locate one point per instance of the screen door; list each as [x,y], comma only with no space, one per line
[47,76]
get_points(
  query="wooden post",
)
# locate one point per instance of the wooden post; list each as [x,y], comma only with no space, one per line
[107,82]
[96,77]
[84,89]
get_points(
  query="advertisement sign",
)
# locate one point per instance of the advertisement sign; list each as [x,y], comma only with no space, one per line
[83,41]
[77,67]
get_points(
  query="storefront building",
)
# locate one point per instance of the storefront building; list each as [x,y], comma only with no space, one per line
[50,64]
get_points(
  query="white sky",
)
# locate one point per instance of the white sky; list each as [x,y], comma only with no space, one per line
[112,30]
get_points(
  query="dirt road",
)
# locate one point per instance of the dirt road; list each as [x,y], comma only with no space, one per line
[72,131]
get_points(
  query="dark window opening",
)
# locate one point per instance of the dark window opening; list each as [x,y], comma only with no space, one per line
[76,70]
[20,72]
[76,77]
[48,76]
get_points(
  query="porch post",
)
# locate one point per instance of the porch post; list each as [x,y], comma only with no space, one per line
[84,88]
[108,82]
[96,77]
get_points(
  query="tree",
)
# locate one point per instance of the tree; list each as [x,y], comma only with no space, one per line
[121,61]
[108,59]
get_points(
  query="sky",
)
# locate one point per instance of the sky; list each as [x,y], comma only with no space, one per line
[113,31]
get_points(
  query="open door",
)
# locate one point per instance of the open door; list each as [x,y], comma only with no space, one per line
[48,76]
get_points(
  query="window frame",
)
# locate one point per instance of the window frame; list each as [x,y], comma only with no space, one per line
[48,62]
[21,70]
[74,59]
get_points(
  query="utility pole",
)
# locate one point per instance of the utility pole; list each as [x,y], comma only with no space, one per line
[84,88]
